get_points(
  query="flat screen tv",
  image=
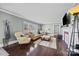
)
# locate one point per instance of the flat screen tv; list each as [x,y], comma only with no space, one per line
[66,19]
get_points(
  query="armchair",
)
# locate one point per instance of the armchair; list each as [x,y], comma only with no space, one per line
[21,38]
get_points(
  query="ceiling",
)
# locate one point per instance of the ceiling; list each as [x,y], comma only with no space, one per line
[43,13]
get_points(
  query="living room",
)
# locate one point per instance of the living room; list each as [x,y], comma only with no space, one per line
[35,29]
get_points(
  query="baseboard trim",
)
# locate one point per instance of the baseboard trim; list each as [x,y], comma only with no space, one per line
[11,42]
[1,45]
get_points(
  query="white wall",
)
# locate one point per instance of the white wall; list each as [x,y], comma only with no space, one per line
[16,24]
[50,28]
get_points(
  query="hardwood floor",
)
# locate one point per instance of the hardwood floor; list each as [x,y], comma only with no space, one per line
[23,50]
[62,48]
[43,51]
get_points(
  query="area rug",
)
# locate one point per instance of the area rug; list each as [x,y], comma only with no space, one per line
[3,52]
[37,41]
[53,43]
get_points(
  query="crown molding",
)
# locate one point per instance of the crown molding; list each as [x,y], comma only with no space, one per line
[11,13]
[16,15]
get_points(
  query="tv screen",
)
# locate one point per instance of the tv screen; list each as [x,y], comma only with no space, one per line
[66,19]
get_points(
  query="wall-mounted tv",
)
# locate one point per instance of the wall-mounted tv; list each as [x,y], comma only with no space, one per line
[66,19]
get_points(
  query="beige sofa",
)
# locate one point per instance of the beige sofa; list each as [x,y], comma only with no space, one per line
[33,36]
